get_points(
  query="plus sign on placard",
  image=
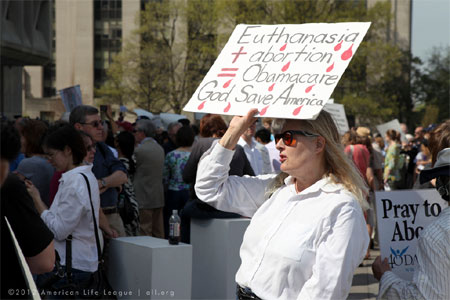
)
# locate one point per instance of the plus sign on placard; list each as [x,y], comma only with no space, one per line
[236,54]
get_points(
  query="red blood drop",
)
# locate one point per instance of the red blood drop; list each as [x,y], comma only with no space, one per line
[264,110]
[297,110]
[285,67]
[227,108]
[271,87]
[283,48]
[347,53]
[330,68]
[338,46]
[227,84]
[200,107]
[309,88]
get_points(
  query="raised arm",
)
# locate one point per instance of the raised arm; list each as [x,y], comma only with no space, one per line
[241,195]
[237,127]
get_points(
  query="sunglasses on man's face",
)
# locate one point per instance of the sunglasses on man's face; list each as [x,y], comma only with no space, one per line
[95,123]
[288,136]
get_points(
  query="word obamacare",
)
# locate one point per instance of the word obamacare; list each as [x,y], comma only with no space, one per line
[257,73]
[279,36]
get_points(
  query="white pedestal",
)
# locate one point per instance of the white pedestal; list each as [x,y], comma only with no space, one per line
[150,268]
[216,244]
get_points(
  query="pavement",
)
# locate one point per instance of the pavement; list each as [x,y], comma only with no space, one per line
[364,285]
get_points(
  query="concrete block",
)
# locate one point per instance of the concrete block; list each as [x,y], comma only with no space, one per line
[150,268]
[216,245]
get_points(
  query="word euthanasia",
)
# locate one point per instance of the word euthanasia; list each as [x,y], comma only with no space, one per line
[279,36]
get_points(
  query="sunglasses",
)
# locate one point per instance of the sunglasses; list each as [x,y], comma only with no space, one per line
[95,123]
[288,136]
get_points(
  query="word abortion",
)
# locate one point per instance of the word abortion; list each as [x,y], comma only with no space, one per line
[248,36]
[305,55]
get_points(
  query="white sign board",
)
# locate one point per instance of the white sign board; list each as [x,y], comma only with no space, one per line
[286,71]
[337,112]
[71,97]
[401,216]
[394,124]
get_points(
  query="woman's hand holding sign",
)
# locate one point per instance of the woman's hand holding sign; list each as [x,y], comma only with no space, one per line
[238,125]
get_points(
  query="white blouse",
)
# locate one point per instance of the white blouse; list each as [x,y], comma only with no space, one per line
[298,245]
[70,213]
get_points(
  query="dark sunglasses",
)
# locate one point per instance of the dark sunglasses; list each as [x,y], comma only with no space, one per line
[288,136]
[95,123]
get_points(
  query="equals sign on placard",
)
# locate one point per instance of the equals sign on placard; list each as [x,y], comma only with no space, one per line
[228,72]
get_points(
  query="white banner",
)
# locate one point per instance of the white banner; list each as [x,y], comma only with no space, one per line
[401,216]
[286,71]
[394,124]
[337,112]
[71,97]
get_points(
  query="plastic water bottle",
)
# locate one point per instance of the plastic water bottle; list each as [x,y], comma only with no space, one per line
[174,228]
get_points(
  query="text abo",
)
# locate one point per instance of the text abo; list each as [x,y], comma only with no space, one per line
[402,230]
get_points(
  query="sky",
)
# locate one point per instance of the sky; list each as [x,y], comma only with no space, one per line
[430,26]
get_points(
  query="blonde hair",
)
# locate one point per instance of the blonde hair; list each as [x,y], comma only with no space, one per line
[340,168]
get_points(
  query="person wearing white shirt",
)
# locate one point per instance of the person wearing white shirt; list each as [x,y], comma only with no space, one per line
[307,233]
[263,136]
[431,279]
[71,212]
[253,154]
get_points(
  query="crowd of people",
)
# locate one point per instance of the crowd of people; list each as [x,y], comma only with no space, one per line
[67,176]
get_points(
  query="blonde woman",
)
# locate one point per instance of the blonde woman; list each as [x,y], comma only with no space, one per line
[307,234]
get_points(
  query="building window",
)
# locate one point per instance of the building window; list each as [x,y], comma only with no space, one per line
[108,34]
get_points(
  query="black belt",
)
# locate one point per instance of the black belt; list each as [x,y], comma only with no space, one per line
[245,293]
[109,211]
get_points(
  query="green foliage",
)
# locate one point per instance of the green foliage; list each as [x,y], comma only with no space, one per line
[432,87]
[165,60]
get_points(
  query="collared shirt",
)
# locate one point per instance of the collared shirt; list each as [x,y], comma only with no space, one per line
[253,155]
[432,275]
[298,245]
[71,213]
[146,139]
[267,168]
[274,156]
[104,165]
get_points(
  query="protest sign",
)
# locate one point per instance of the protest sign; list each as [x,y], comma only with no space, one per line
[31,292]
[401,216]
[71,97]
[337,112]
[394,124]
[286,71]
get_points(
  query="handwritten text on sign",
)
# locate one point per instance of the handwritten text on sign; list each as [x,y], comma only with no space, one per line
[401,217]
[286,71]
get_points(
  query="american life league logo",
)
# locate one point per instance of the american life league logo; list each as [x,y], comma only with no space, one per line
[400,258]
